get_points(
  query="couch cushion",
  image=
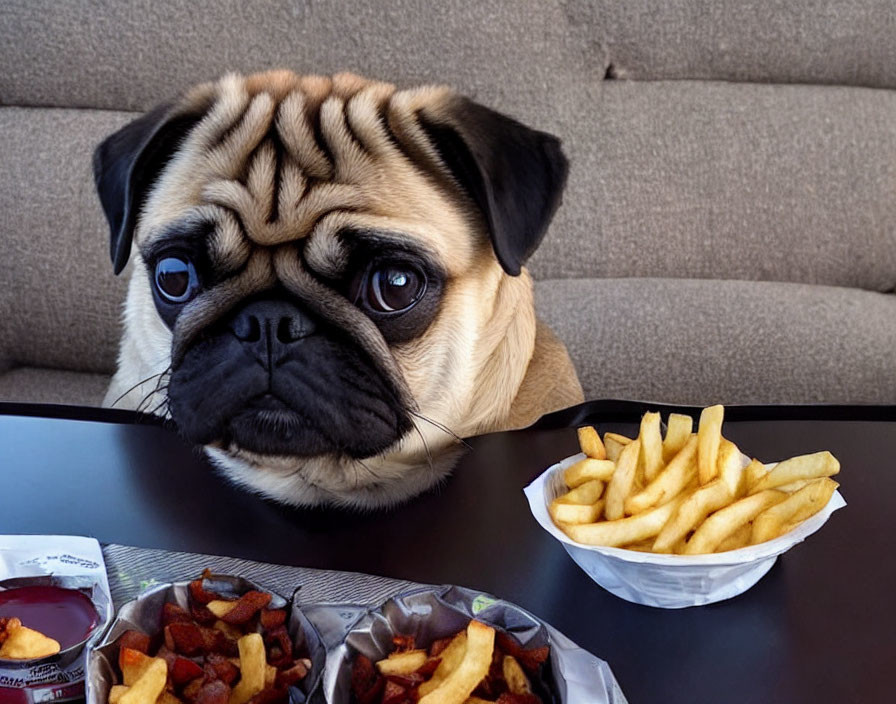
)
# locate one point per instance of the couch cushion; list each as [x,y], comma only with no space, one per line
[39,385]
[129,56]
[784,41]
[59,303]
[705,342]
[730,181]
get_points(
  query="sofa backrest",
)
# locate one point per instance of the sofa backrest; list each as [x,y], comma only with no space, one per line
[708,140]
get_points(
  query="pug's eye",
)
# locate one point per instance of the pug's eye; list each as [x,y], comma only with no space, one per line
[388,288]
[176,279]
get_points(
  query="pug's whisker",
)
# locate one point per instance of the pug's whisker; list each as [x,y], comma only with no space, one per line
[357,465]
[155,411]
[425,446]
[444,428]
[140,383]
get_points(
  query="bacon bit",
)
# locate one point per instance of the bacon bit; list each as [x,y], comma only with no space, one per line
[135,640]
[214,692]
[246,607]
[200,594]
[185,638]
[183,670]
[271,618]
[279,646]
[404,643]
[291,675]
[508,698]
[172,613]
[531,659]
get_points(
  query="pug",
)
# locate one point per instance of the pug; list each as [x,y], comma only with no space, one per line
[328,289]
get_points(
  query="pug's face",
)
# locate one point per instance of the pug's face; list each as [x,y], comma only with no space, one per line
[327,289]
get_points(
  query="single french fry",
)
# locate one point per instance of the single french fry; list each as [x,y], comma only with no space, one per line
[625,530]
[737,540]
[117,692]
[795,486]
[252,669]
[460,683]
[23,643]
[814,466]
[651,445]
[591,444]
[730,467]
[586,493]
[678,431]
[668,483]
[621,482]
[693,510]
[401,663]
[709,435]
[587,469]
[517,682]
[219,607]
[133,664]
[576,513]
[641,546]
[150,684]
[754,472]
[725,521]
[449,659]
[796,508]
[614,442]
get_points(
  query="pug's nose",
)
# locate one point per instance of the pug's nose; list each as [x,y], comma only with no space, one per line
[271,325]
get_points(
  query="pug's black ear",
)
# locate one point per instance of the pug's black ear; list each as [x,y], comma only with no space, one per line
[514,174]
[126,164]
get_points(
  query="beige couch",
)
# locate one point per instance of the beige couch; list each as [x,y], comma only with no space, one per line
[729,229]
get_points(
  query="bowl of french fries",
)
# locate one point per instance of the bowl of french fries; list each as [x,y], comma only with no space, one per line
[680,518]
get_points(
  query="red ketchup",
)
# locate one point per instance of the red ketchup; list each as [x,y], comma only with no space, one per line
[65,615]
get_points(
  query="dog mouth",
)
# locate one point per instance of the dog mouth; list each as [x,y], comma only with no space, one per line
[269,426]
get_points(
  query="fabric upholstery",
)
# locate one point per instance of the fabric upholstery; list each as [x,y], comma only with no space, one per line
[730,181]
[40,385]
[847,42]
[705,342]
[729,228]
[59,302]
[129,56]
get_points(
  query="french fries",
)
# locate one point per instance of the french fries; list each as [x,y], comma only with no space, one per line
[709,435]
[797,507]
[580,505]
[460,683]
[478,665]
[726,520]
[149,685]
[820,464]
[18,642]
[614,444]
[586,470]
[651,445]
[591,443]
[688,493]
[678,432]
[622,481]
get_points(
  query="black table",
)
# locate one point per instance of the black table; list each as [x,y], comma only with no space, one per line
[820,627]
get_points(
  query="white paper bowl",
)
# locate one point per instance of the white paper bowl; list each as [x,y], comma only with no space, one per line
[667,581]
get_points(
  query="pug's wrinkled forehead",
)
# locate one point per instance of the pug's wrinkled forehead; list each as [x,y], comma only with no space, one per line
[278,159]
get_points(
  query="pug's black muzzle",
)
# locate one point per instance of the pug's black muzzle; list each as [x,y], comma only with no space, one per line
[274,380]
